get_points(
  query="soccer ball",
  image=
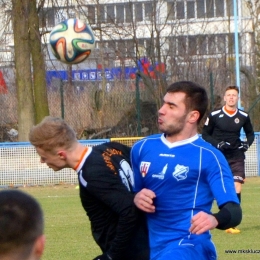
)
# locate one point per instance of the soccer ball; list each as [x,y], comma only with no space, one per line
[72,41]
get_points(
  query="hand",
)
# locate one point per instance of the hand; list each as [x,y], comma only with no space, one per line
[144,200]
[202,222]
[103,257]
[244,146]
[223,146]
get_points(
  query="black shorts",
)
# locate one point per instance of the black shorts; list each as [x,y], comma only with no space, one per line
[238,169]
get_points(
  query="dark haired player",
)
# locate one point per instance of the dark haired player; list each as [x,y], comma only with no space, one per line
[21,226]
[222,129]
[178,175]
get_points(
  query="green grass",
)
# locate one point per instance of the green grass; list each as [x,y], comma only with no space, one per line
[69,237]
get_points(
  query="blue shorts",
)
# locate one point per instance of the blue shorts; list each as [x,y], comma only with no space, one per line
[201,251]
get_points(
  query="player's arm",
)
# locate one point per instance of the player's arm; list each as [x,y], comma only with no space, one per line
[207,131]
[229,215]
[110,191]
[143,197]
[248,128]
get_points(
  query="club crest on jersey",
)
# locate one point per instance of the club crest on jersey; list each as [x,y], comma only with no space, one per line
[237,120]
[180,172]
[144,167]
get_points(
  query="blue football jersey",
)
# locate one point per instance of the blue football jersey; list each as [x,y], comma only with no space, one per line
[186,177]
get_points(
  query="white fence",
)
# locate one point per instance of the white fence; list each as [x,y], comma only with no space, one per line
[20,165]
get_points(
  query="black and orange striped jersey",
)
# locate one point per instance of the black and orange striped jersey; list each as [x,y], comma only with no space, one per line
[106,183]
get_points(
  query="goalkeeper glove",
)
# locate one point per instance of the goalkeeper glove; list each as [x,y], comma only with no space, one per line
[223,145]
[244,146]
[103,257]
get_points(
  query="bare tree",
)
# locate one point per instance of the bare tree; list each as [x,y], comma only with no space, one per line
[29,66]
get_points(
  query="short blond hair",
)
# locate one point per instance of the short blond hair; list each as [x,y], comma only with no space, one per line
[51,133]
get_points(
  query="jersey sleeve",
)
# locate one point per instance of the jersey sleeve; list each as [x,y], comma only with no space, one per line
[248,128]
[208,129]
[220,178]
[135,161]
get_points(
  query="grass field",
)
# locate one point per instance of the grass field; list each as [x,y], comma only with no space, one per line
[69,238]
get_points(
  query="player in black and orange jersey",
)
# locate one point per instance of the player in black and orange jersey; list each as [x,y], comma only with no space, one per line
[105,183]
[223,130]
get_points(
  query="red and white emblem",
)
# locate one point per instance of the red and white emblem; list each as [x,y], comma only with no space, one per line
[144,167]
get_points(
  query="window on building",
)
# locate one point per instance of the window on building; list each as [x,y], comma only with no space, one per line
[130,48]
[148,11]
[182,47]
[192,45]
[121,47]
[101,14]
[219,8]
[180,10]
[230,8]
[110,13]
[221,43]
[190,9]
[209,8]
[129,12]
[200,9]
[202,44]
[47,17]
[119,13]
[212,48]
[138,12]
[171,10]
[231,43]
[91,14]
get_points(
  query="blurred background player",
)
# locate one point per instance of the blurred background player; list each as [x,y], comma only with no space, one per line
[223,129]
[21,226]
[105,184]
[178,175]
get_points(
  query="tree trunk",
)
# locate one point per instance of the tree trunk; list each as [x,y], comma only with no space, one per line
[39,78]
[23,68]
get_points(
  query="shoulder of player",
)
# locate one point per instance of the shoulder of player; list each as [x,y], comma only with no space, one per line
[215,112]
[207,147]
[242,113]
[146,140]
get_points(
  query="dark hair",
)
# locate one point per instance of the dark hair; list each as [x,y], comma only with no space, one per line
[21,222]
[196,96]
[233,87]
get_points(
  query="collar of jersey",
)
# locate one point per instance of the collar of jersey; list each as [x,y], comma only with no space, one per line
[84,157]
[227,113]
[179,143]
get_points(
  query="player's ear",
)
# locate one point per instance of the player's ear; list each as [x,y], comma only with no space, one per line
[194,116]
[62,154]
[39,246]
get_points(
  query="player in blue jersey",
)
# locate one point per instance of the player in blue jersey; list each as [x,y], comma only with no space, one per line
[223,129]
[177,176]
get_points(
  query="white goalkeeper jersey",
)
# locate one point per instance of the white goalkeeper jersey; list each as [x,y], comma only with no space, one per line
[186,176]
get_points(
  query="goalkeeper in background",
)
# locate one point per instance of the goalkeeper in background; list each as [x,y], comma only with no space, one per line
[222,129]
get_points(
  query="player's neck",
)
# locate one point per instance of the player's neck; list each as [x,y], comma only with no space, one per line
[183,135]
[230,109]
[77,155]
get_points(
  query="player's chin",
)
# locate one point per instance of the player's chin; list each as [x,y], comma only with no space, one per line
[54,168]
[161,127]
